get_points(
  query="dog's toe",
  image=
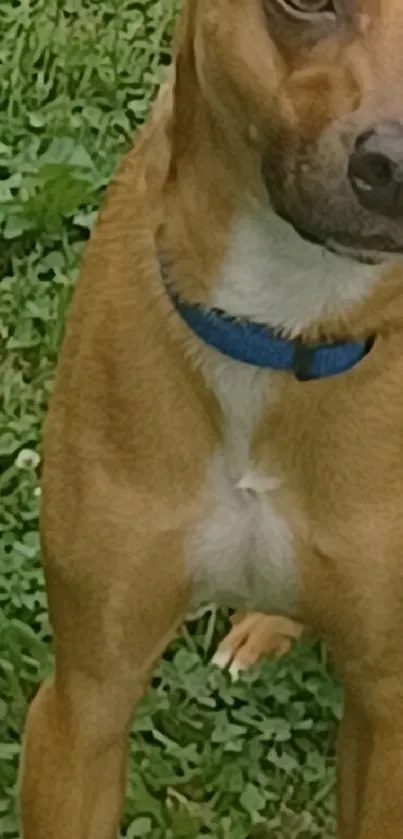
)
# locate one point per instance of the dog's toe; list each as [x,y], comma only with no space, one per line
[254,637]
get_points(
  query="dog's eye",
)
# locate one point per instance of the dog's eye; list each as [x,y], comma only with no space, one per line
[303,9]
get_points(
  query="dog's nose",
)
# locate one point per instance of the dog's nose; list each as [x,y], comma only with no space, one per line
[375,169]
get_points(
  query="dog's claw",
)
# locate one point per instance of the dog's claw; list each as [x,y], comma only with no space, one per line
[221,659]
[224,660]
[234,672]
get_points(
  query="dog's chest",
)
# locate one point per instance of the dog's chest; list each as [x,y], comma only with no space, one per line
[241,552]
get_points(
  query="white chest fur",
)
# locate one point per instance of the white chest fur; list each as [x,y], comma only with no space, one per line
[242,553]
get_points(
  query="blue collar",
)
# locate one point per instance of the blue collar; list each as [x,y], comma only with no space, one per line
[255,344]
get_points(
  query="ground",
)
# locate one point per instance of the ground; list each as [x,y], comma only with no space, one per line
[209,758]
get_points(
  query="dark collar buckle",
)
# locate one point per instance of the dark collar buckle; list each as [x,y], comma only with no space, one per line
[303,362]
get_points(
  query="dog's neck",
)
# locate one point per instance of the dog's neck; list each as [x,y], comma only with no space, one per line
[229,249]
[270,275]
[239,256]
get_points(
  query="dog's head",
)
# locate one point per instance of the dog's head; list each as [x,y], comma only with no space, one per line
[315,89]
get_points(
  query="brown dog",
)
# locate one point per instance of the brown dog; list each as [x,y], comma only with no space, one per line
[175,471]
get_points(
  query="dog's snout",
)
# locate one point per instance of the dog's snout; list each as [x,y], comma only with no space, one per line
[375,169]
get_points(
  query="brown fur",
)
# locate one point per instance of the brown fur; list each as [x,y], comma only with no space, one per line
[132,423]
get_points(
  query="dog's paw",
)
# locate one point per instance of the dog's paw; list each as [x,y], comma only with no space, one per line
[255,636]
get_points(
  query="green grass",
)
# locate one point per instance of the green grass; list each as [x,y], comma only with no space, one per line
[208,758]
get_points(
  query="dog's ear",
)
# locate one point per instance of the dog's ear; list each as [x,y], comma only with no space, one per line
[186,83]
[184,28]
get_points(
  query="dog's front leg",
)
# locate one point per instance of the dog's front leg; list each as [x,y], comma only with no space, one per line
[351,762]
[370,783]
[381,801]
[115,602]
